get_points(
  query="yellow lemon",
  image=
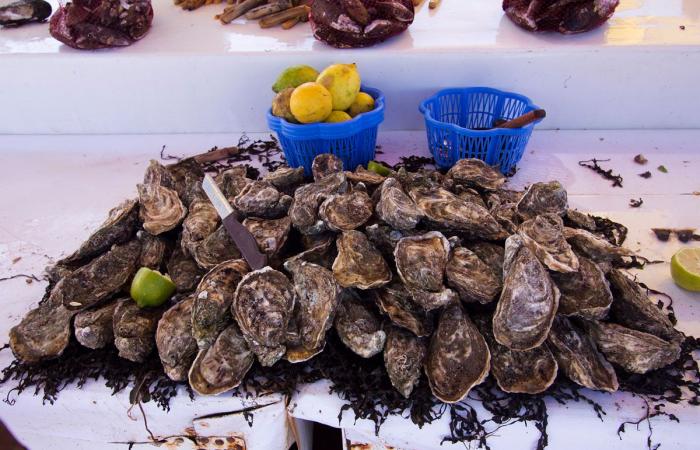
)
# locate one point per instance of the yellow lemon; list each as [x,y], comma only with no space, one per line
[343,82]
[311,103]
[363,103]
[338,116]
[685,269]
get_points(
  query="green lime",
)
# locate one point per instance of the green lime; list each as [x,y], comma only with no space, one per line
[151,288]
[685,269]
[379,169]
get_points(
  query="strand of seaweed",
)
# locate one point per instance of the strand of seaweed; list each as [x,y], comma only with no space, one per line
[607,174]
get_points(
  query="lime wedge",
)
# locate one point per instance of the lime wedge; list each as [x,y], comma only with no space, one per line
[379,169]
[151,288]
[685,269]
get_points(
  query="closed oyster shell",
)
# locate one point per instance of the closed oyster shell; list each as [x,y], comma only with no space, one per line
[594,247]
[421,261]
[215,249]
[213,299]
[396,302]
[578,357]
[544,236]
[232,181]
[156,173]
[385,238]
[585,293]
[183,270]
[528,302]
[187,176]
[94,327]
[396,208]
[543,198]
[262,199]
[358,326]
[476,173]
[472,278]
[135,329]
[222,366]
[42,334]
[263,305]
[99,279]
[502,197]
[362,175]
[201,221]
[270,234]
[153,250]
[404,354]
[433,300]
[326,164]
[507,216]
[285,179]
[308,198]
[359,264]
[319,251]
[580,220]
[458,357]
[344,212]
[177,347]
[489,253]
[469,195]
[633,350]
[161,209]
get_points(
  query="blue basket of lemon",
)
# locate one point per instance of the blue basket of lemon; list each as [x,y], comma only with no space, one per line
[327,112]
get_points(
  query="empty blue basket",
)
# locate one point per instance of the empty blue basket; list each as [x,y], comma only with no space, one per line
[454,116]
[354,141]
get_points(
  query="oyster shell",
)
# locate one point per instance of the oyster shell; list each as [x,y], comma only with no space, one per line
[421,261]
[270,234]
[469,195]
[156,173]
[458,357]
[489,253]
[263,305]
[543,198]
[308,198]
[528,302]
[99,279]
[578,357]
[135,329]
[222,366]
[432,300]
[161,209]
[585,293]
[183,270]
[153,250]
[232,181]
[42,334]
[362,175]
[177,347]
[385,238]
[396,208]
[359,264]
[187,176]
[213,299]
[507,216]
[201,221]
[396,302]
[476,173]
[215,249]
[633,350]
[502,197]
[345,212]
[358,326]
[319,251]
[403,359]
[594,247]
[472,278]
[285,179]
[326,164]
[262,199]
[94,327]
[580,220]
[544,236]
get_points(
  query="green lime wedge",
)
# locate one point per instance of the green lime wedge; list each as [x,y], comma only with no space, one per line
[151,288]
[379,169]
[685,269]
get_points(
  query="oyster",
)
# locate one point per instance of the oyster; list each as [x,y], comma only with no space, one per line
[429,300]
[507,216]
[362,175]
[578,357]
[585,293]
[528,302]
[385,238]
[213,299]
[135,329]
[458,357]
[319,251]
[222,366]
[232,181]
[469,195]
[308,198]
[594,247]
[396,208]
[187,176]
[262,199]
[421,261]
[633,350]
[476,173]
[285,179]
[270,234]
[489,253]
[201,221]
[326,164]
[358,326]
[632,308]
[99,279]
[153,250]
[177,347]
[544,236]
[215,249]
[472,278]
[183,270]
[263,305]
[543,198]
[161,209]
[580,220]
[94,327]
[344,212]
[396,302]
[359,264]
[403,358]
[156,173]
[502,197]
[42,334]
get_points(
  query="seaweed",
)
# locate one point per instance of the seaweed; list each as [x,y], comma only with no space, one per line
[614,232]
[607,174]
[636,203]
[29,278]
[414,163]
[646,174]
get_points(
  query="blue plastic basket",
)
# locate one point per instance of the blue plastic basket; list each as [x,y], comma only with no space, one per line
[453,117]
[354,141]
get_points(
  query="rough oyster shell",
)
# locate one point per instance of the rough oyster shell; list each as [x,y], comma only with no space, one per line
[262,199]
[396,208]
[476,173]
[396,302]
[270,234]
[344,212]
[578,357]
[187,176]
[468,195]
[263,306]
[215,249]
[183,270]
[213,299]
[421,261]
[385,238]
[472,278]
[308,198]
[94,327]
[177,347]
[489,253]
[42,334]
[580,220]
[222,366]
[458,357]
[506,215]
[594,247]
[153,250]
[585,293]
[502,197]
[358,326]
[201,221]
[156,173]
[325,164]
[528,302]
[404,354]
[362,175]
[232,181]
[318,251]
[432,300]
[543,198]
[359,264]
[544,236]
[161,209]
[285,179]
[135,329]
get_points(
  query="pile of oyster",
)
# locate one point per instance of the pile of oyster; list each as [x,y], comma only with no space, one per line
[449,274]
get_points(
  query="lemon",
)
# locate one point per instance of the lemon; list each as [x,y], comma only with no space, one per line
[685,269]
[343,82]
[151,288]
[378,168]
[311,103]
[338,116]
[363,103]
[294,76]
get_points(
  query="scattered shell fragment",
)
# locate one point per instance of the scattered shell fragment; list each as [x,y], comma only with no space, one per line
[161,209]
[94,327]
[359,264]
[135,329]
[476,173]
[403,358]
[544,236]
[177,347]
[396,302]
[585,293]
[358,326]
[345,212]
[396,208]
[543,198]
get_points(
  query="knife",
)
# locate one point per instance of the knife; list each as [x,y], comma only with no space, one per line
[243,238]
